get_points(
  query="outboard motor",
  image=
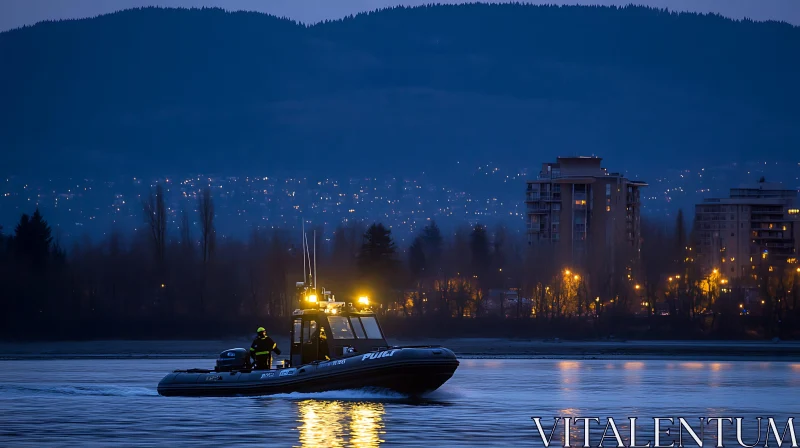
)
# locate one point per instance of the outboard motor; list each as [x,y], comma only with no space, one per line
[233,359]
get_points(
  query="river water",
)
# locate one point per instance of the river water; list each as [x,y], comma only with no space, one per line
[488,402]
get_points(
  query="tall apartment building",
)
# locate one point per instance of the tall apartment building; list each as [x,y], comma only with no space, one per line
[757,223]
[585,214]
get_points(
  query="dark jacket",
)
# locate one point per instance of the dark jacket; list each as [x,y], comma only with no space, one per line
[263,346]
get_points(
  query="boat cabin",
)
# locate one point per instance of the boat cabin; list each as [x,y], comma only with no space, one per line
[335,330]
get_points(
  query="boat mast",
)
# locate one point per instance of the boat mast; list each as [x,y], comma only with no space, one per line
[315,260]
[310,276]
[305,275]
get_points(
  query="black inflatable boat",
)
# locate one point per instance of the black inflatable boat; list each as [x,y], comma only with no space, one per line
[357,352]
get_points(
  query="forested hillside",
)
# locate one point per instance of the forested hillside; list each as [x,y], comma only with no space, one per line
[155,90]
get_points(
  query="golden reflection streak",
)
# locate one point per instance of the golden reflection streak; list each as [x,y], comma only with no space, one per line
[366,424]
[633,365]
[796,367]
[568,365]
[323,424]
[318,428]
[692,365]
[716,366]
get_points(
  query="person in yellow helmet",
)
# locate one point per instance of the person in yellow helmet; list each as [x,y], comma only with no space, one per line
[262,348]
[323,345]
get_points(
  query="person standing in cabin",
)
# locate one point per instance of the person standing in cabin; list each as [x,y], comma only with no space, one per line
[262,348]
[323,345]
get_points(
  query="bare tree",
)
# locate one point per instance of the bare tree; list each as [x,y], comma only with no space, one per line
[156,216]
[208,234]
[186,237]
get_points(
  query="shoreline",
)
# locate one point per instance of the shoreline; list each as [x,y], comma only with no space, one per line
[465,348]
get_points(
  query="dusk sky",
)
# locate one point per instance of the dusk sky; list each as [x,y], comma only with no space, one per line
[16,13]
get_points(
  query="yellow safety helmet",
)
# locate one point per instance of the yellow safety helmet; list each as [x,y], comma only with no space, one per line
[260,329]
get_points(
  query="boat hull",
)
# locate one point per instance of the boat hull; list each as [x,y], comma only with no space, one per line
[406,370]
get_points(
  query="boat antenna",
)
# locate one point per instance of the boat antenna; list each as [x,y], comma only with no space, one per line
[305,274]
[308,255]
[315,260]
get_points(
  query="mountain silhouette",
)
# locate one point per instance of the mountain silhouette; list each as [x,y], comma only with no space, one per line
[158,90]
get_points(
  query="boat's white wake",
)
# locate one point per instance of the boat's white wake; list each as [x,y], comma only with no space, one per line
[11,390]
[376,395]
[344,395]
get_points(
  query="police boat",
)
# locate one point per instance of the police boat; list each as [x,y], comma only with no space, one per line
[334,346]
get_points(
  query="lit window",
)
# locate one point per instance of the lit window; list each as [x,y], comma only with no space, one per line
[794,211]
[608,208]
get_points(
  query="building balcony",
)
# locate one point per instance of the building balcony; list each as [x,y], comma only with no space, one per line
[538,208]
[768,219]
[777,234]
[778,245]
[544,175]
[555,198]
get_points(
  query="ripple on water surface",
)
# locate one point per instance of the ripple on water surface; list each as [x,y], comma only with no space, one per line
[489,402]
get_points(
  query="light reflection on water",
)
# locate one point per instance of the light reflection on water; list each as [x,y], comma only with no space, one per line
[633,365]
[489,402]
[332,423]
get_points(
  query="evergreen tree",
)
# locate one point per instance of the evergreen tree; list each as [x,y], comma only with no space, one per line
[376,260]
[479,250]
[416,258]
[378,248]
[432,246]
[32,240]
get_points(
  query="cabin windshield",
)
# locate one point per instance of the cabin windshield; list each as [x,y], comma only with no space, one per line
[340,327]
[358,328]
[371,327]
